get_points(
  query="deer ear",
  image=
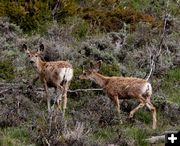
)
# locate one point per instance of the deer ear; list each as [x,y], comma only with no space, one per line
[41,47]
[24,47]
[91,65]
[82,68]
[98,65]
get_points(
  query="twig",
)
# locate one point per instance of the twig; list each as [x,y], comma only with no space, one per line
[151,64]
[47,141]
[84,90]
[8,86]
[18,105]
[5,90]
[54,11]
[76,90]
[164,30]
[2,98]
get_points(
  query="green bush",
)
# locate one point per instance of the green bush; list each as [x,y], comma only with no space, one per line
[110,69]
[113,20]
[28,15]
[14,136]
[170,85]
[139,135]
[6,70]
[32,15]
[81,30]
[144,116]
[77,83]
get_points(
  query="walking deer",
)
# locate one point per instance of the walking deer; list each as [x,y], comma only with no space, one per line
[123,88]
[57,74]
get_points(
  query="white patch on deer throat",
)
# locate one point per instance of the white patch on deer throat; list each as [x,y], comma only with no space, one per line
[66,74]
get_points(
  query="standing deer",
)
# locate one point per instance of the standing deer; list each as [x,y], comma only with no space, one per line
[57,74]
[123,88]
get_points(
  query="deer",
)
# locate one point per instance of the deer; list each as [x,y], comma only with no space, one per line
[117,88]
[57,74]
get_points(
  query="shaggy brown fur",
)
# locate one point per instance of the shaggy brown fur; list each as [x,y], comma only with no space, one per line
[123,88]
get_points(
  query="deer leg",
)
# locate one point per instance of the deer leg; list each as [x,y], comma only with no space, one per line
[48,97]
[65,97]
[59,99]
[153,110]
[142,103]
[59,103]
[65,101]
[117,104]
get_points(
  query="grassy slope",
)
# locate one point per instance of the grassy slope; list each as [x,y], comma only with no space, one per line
[19,136]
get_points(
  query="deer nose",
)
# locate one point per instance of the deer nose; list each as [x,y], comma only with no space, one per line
[79,77]
[31,61]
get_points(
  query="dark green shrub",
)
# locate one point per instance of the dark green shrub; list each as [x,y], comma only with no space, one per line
[6,70]
[113,20]
[28,15]
[76,82]
[110,69]
[80,28]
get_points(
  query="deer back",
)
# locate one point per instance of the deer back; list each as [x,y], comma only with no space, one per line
[57,72]
[127,87]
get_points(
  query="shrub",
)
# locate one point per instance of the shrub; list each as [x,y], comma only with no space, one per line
[53,129]
[28,15]
[76,83]
[14,136]
[139,135]
[113,20]
[80,29]
[7,70]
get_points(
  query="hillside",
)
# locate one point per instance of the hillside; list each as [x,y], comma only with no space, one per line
[125,35]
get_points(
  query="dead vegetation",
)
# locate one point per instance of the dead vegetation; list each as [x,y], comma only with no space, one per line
[97,111]
[91,118]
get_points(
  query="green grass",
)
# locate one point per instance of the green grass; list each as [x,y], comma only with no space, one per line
[144,116]
[6,70]
[15,136]
[138,135]
[171,85]
[103,134]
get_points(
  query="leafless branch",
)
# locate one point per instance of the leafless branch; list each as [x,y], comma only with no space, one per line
[46,141]
[4,91]
[2,98]
[5,87]
[55,8]
[84,90]
[77,133]
[155,139]
[152,64]
[163,35]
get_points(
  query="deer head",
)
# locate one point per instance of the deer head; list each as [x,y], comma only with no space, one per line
[89,73]
[34,56]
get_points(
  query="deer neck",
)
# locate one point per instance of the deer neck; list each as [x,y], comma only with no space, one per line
[99,79]
[39,65]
